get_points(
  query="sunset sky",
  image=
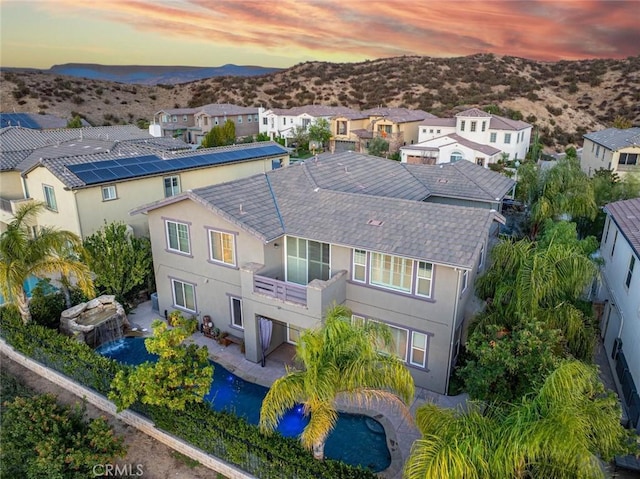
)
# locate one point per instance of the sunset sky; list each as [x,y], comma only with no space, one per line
[281,33]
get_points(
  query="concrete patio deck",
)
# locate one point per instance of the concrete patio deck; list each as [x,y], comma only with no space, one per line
[400,430]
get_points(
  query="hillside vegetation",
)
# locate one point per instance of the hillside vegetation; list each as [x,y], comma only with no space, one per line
[565,99]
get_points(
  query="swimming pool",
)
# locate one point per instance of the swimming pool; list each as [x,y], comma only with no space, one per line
[29,284]
[357,440]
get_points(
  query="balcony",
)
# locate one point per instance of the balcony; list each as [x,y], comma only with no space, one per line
[311,300]
[8,208]
[281,290]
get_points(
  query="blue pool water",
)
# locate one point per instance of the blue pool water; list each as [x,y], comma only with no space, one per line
[357,440]
[28,285]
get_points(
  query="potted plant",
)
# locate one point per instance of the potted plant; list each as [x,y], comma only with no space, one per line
[221,336]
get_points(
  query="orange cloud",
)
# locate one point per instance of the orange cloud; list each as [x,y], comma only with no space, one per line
[353,30]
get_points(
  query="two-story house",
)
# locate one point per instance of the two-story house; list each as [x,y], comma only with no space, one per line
[352,131]
[347,229]
[89,180]
[282,122]
[473,135]
[192,124]
[612,149]
[620,323]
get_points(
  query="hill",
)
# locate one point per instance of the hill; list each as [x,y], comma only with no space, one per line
[564,99]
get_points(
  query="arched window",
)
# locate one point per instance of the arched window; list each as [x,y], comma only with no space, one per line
[456,156]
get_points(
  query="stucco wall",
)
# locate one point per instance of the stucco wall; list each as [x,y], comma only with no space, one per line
[11,185]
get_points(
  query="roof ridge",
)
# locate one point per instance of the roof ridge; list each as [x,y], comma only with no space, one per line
[426,187]
[275,203]
[471,178]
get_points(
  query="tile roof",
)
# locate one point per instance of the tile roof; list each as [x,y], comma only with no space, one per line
[314,110]
[285,202]
[462,179]
[221,109]
[474,113]
[439,122]
[399,115]
[34,121]
[486,149]
[626,214]
[179,111]
[502,123]
[614,139]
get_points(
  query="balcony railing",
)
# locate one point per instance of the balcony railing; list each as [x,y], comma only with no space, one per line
[11,206]
[293,293]
[5,205]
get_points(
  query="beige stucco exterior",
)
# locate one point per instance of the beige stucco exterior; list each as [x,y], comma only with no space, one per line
[83,211]
[595,157]
[400,134]
[440,317]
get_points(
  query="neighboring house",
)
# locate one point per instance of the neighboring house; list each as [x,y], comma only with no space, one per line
[89,180]
[620,323]
[282,122]
[612,149]
[192,124]
[353,131]
[346,229]
[35,121]
[473,135]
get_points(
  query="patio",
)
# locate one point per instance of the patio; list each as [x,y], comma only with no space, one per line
[401,432]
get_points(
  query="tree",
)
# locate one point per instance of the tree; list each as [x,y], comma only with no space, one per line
[300,138]
[559,432]
[536,147]
[541,283]
[220,135]
[181,375]
[75,122]
[41,438]
[340,360]
[378,147]
[505,365]
[120,261]
[24,254]
[320,131]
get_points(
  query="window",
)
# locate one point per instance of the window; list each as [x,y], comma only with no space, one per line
[265,121]
[481,261]
[174,118]
[184,295]
[507,138]
[184,118]
[484,125]
[50,197]
[606,231]
[391,271]
[239,118]
[249,118]
[465,280]
[425,276]
[255,118]
[222,247]
[473,125]
[632,263]
[109,193]
[418,349]
[462,125]
[178,237]
[430,131]
[215,121]
[357,321]
[307,260]
[456,156]
[341,127]
[359,265]
[236,313]
[628,159]
[438,131]
[171,186]
[493,137]
[293,334]
[615,238]
[597,150]
[305,123]
[398,347]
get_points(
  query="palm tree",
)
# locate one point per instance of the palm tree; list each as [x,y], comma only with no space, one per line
[23,254]
[340,361]
[560,432]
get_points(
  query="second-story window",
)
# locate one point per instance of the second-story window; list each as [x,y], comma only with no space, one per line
[171,186]
[507,138]
[632,263]
[484,125]
[178,237]
[462,125]
[613,247]
[222,247]
[473,125]
[359,265]
[239,118]
[391,271]
[307,260]
[493,137]
[465,280]
[425,276]
[50,197]
[265,121]
[109,193]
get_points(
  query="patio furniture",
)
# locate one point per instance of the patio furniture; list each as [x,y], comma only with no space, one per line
[207,327]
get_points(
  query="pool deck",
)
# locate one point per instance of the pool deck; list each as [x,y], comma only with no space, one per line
[400,430]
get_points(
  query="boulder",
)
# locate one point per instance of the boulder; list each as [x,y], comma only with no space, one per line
[74,311]
[107,298]
[94,303]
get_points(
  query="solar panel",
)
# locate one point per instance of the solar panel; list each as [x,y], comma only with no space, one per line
[81,167]
[88,177]
[121,172]
[136,160]
[136,169]
[105,174]
[18,119]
